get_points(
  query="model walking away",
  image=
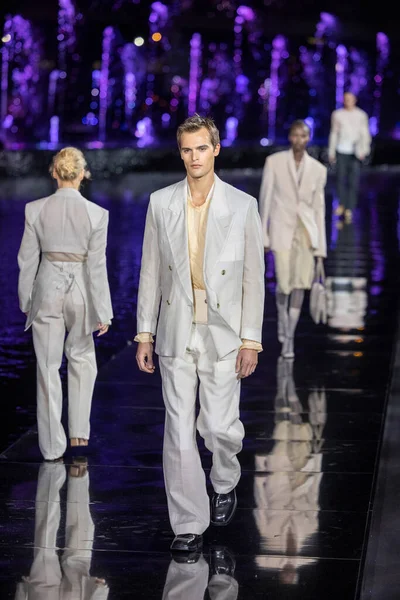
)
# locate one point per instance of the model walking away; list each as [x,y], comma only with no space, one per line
[63,287]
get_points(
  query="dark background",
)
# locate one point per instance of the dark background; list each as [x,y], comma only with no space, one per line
[357,25]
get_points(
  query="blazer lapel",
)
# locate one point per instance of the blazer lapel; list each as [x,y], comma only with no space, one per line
[305,178]
[175,220]
[292,169]
[219,223]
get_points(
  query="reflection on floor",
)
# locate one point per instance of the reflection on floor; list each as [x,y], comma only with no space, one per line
[96,531]
[68,575]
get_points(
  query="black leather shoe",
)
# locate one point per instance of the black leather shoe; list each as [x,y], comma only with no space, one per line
[186,558]
[223,508]
[187,542]
[222,561]
[60,459]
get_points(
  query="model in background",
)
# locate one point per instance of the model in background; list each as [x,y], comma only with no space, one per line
[292,208]
[63,287]
[203,261]
[349,145]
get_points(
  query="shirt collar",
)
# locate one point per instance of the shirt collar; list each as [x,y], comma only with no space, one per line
[68,190]
[302,159]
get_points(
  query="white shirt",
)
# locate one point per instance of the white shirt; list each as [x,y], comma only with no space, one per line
[349,132]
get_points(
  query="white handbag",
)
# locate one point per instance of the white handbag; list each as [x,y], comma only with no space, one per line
[318,299]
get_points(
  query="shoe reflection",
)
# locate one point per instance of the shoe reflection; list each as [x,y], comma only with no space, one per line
[64,577]
[288,478]
[188,578]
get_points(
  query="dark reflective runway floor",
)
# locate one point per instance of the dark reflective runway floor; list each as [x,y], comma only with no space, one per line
[313,431]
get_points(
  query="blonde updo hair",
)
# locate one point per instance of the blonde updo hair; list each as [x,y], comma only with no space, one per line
[68,164]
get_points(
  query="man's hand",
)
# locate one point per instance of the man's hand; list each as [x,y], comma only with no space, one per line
[332,160]
[102,329]
[144,357]
[246,362]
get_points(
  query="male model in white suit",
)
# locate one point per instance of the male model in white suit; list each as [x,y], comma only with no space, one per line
[292,207]
[63,286]
[349,145]
[203,264]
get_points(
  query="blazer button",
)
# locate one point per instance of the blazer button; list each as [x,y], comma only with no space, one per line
[169,303]
[223,272]
[218,305]
[169,267]
[205,300]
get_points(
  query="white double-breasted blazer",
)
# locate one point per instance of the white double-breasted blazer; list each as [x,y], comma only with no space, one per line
[233,270]
[283,201]
[65,222]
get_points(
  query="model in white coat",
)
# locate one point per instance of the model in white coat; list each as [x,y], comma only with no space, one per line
[202,291]
[292,208]
[63,287]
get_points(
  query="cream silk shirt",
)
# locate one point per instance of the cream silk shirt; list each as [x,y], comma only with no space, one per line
[197,226]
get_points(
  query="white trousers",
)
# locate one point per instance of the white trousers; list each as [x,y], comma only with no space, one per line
[190,581]
[218,423]
[61,312]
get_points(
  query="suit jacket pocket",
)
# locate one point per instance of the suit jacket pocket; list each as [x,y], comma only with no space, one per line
[233,250]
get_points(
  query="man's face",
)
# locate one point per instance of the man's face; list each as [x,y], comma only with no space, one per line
[349,100]
[197,153]
[299,138]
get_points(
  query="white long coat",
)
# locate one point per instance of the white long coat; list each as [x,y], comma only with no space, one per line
[283,202]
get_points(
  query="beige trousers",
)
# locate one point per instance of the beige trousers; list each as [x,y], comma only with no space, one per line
[61,312]
[218,423]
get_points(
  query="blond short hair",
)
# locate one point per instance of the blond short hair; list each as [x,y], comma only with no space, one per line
[195,123]
[68,164]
